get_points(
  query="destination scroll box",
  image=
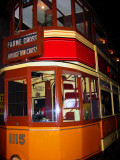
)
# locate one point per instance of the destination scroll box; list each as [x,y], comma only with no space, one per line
[25,45]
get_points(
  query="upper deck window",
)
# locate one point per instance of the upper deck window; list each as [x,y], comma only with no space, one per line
[27,15]
[16,17]
[64,15]
[83,18]
[44,13]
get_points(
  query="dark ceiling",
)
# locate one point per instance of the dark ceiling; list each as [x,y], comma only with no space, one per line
[107,11]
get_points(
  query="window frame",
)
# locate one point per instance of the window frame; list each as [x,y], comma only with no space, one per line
[13,75]
[92,98]
[54,17]
[82,121]
[106,88]
[57,91]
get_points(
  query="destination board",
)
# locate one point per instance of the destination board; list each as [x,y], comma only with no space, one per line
[26,45]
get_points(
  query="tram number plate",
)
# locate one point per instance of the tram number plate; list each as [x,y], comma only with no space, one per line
[17,139]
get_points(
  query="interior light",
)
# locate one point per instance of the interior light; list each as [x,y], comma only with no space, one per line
[42,6]
[117,59]
[103,41]
[111,51]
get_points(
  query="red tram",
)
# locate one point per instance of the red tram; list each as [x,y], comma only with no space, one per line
[59,90]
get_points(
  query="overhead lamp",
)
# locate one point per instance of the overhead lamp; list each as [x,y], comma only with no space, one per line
[111,51]
[42,6]
[117,59]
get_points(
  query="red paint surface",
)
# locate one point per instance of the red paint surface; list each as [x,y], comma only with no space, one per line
[67,49]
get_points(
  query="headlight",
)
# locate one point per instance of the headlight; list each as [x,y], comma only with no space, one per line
[15,157]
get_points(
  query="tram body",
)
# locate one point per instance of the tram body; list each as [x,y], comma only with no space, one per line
[59,91]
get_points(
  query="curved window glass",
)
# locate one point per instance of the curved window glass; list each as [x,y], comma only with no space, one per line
[64,15]
[17,17]
[27,17]
[44,13]
[79,18]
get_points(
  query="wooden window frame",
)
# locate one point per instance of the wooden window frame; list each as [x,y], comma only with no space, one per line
[54,17]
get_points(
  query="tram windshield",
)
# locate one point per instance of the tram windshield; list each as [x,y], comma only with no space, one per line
[43,96]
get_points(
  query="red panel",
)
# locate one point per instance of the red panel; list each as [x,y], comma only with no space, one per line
[67,49]
[70,95]
[59,48]
[103,65]
[85,54]
[118,121]
[109,125]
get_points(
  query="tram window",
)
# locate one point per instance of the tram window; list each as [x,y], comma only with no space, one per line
[88,24]
[86,98]
[64,15]
[94,94]
[44,13]
[27,17]
[79,18]
[100,40]
[17,98]
[70,98]
[43,96]
[106,103]
[116,103]
[17,17]
[1,100]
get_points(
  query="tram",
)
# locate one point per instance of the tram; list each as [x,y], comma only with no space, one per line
[59,89]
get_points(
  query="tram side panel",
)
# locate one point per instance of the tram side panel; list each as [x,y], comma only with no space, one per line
[82,143]
[17,142]
[2,142]
[108,132]
[118,125]
[44,144]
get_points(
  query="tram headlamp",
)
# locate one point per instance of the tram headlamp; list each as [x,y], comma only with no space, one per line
[15,157]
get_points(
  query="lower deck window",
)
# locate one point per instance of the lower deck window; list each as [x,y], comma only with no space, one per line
[17,98]
[70,97]
[106,103]
[43,96]
[116,103]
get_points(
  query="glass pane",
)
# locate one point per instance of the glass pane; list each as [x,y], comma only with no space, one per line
[116,103]
[101,40]
[27,17]
[86,98]
[17,17]
[17,98]
[64,15]
[26,1]
[43,96]
[88,25]
[70,98]
[106,103]
[79,18]
[44,13]
[95,105]
[94,88]
[1,99]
